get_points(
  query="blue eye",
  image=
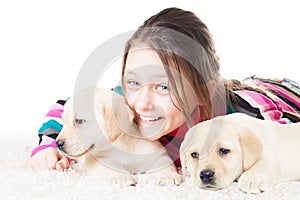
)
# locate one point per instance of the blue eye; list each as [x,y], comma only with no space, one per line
[162,88]
[133,83]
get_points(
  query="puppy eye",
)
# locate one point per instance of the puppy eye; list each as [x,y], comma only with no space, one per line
[195,155]
[79,121]
[223,151]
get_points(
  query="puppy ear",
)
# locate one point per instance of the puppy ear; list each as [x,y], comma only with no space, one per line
[251,148]
[123,118]
[105,113]
[183,161]
[110,127]
[184,147]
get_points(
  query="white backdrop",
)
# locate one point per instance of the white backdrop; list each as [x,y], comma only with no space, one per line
[44,43]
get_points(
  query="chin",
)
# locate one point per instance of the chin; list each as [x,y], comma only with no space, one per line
[150,137]
[211,187]
[150,133]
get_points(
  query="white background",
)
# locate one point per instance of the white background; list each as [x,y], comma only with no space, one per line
[44,43]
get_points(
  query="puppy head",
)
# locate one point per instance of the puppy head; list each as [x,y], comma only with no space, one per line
[216,152]
[92,120]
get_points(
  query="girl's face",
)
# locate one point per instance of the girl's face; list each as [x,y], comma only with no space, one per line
[148,94]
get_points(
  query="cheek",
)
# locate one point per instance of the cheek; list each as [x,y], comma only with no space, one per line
[128,98]
[174,116]
[232,166]
[169,104]
[129,93]
[237,164]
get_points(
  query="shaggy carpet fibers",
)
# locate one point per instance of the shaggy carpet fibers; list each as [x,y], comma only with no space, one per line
[17,183]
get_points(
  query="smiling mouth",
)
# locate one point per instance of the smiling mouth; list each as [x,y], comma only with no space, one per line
[80,154]
[148,120]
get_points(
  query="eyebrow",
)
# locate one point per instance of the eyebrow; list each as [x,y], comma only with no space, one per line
[160,75]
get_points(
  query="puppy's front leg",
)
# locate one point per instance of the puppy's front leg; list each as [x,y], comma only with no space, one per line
[109,171]
[257,178]
[164,172]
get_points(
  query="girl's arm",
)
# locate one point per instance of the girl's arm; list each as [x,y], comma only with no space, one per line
[52,124]
[46,154]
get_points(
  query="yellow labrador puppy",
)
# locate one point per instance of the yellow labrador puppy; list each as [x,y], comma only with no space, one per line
[98,125]
[239,147]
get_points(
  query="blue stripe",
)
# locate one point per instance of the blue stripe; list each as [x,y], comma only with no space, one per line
[51,124]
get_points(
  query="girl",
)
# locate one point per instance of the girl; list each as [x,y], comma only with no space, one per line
[171,79]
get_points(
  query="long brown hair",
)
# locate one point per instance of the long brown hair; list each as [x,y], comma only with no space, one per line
[184,42]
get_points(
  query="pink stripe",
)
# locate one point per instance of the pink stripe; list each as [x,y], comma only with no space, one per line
[283,94]
[265,103]
[55,110]
[267,107]
[285,106]
[54,113]
[41,147]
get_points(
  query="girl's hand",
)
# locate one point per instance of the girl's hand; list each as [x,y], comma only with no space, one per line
[45,159]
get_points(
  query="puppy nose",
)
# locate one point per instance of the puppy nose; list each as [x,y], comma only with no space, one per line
[207,176]
[60,144]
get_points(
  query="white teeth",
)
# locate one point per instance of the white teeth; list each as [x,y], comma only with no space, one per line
[149,118]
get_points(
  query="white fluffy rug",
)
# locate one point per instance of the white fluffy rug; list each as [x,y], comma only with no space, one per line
[16,183]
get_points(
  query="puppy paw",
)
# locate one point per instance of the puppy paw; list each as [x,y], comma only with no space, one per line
[124,179]
[252,182]
[164,179]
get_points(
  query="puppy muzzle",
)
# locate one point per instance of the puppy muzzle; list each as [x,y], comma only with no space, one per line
[207,177]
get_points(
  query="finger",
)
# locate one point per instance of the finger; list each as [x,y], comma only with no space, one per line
[62,164]
[59,165]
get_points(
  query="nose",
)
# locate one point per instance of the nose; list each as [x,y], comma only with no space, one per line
[142,99]
[207,176]
[60,144]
